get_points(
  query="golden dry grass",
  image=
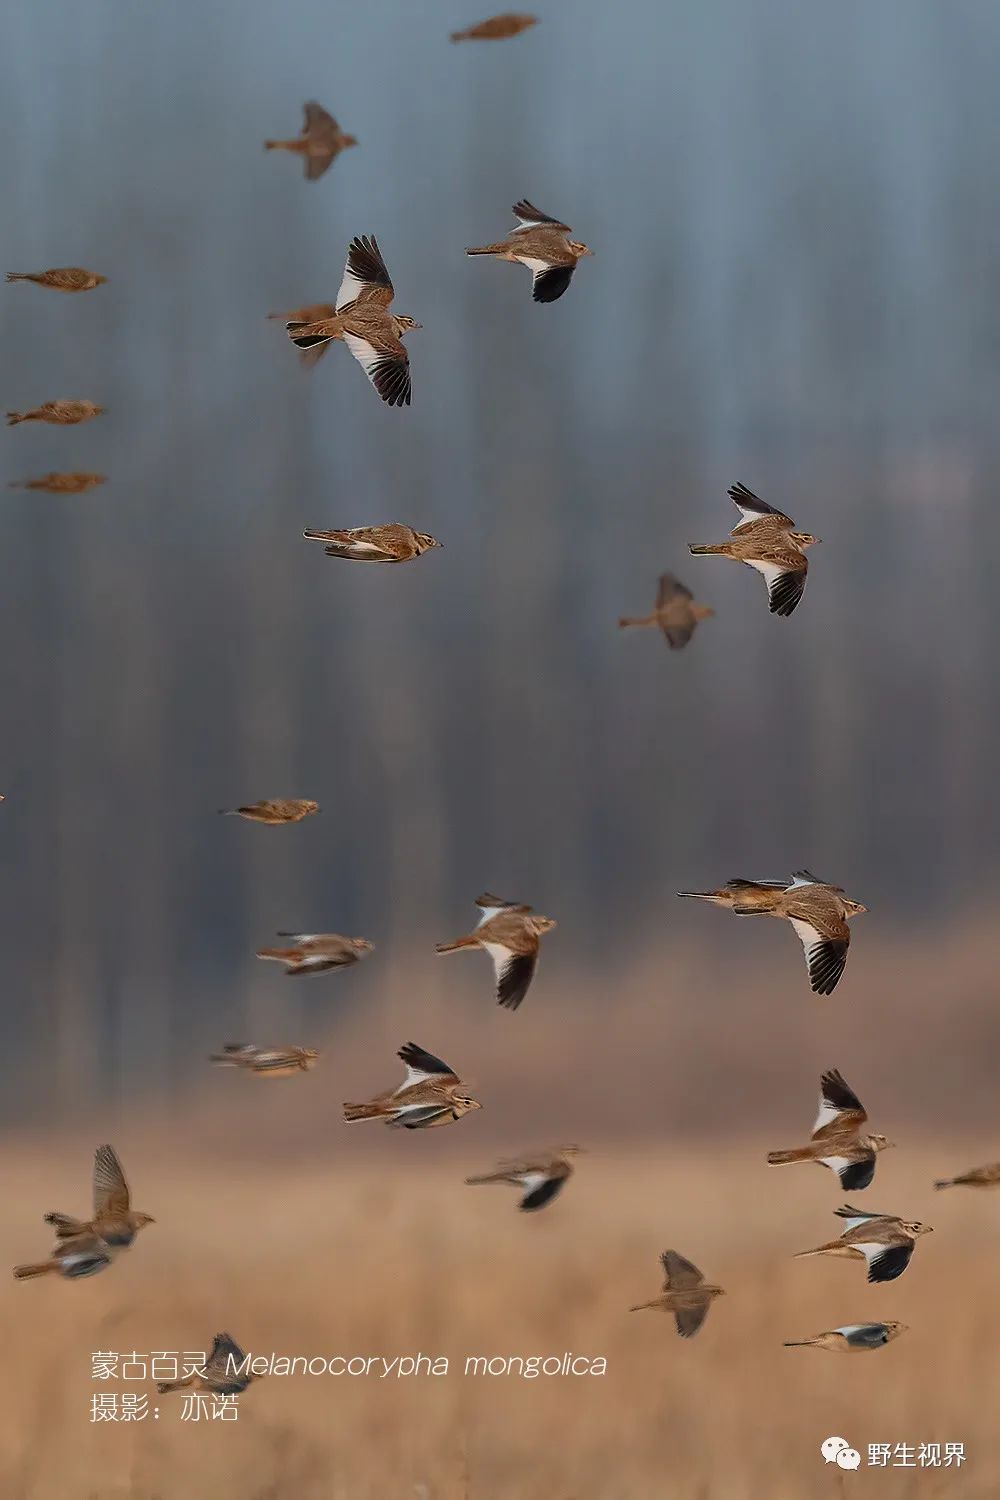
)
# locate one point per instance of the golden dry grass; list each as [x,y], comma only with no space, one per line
[375,1246]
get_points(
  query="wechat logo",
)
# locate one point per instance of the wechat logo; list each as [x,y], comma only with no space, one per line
[837,1450]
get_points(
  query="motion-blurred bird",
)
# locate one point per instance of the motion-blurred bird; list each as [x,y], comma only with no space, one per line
[817,911]
[316,952]
[853,1338]
[222,1374]
[676,612]
[540,1178]
[765,540]
[272,1062]
[391,543]
[59,484]
[496,28]
[977,1177]
[315,312]
[836,1141]
[431,1094]
[273,810]
[60,413]
[685,1293]
[73,1257]
[543,245]
[62,279]
[884,1241]
[320,141]
[373,334]
[510,933]
[114,1221]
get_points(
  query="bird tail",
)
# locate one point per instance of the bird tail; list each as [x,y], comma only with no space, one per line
[487,1177]
[13,417]
[460,36]
[40,1268]
[307,340]
[65,1226]
[627,620]
[363,1112]
[280,955]
[224,1059]
[281,145]
[706,551]
[946,1182]
[164,1386]
[324,536]
[820,1250]
[20,276]
[641,1306]
[698,895]
[462,942]
[782,1158]
[800,1343]
[485,250]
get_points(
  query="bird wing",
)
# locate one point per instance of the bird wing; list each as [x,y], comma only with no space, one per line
[315,119]
[839,1106]
[111,1194]
[804,877]
[316,165]
[387,367]
[679,1274]
[217,1364]
[855,1217]
[492,906]
[422,1066]
[751,507]
[530,217]
[854,1175]
[669,588]
[548,282]
[514,973]
[365,276]
[540,1189]
[413,1116]
[886,1262]
[690,1318]
[825,944]
[785,582]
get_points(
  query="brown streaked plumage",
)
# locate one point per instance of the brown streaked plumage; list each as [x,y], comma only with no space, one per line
[320,141]
[540,1177]
[509,932]
[496,28]
[114,1221]
[431,1094]
[543,245]
[390,543]
[221,1374]
[852,1338]
[74,1256]
[676,612]
[59,484]
[60,413]
[61,279]
[977,1177]
[685,1293]
[766,541]
[273,810]
[317,952]
[818,912]
[884,1241]
[315,312]
[372,333]
[837,1141]
[267,1062]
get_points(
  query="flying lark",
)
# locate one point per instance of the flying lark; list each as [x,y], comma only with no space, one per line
[317,952]
[765,540]
[59,484]
[373,334]
[510,934]
[853,1338]
[676,612]
[540,1178]
[320,141]
[884,1241]
[977,1177]
[818,913]
[114,1221]
[543,245]
[430,1095]
[60,413]
[685,1293]
[496,28]
[273,810]
[73,1257]
[392,543]
[270,1062]
[62,279]
[221,1375]
[836,1140]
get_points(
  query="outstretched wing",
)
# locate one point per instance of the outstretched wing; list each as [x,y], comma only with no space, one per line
[785,585]
[111,1195]
[669,588]
[421,1066]
[549,282]
[840,1108]
[751,507]
[514,973]
[366,278]
[679,1274]
[530,217]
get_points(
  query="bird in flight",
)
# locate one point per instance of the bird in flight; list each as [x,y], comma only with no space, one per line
[114,1221]
[270,1062]
[543,245]
[817,911]
[685,1293]
[62,279]
[765,539]
[977,1177]
[59,484]
[60,413]
[81,1255]
[320,141]
[853,1338]
[362,319]
[391,543]
[676,612]
[496,28]
[431,1094]
[540,1178]
[221,1375]
[317,952]
[837,1141]
[510,934]
[273,810]
[884,1241]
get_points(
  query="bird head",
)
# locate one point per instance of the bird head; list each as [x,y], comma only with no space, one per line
[464,1102]
[879,1143]
[703,612]
[364,945]
[424,541]
[853,908]
[348,140]
[99,280]
[916,1229]
[803,539]
[538,925]
[403,323]
[579,249]
[310,806]
[308,1055]
[893,1330]
[141,1220]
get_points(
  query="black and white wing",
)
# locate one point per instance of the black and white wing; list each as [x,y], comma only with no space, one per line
[422,1067]
[365,274]
[530,217]
[785,586]
[548,282]
[387,369]
[751,507]
[826,957]
[838,1104]
[514,973]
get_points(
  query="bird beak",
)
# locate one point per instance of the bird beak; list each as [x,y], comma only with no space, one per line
[416,325]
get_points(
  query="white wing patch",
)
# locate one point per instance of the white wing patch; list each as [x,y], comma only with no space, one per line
[836,1163]
[534,265]
[827,1113]
[489,912]
[501,957]
[807,936]
[350,288]
[532,1180]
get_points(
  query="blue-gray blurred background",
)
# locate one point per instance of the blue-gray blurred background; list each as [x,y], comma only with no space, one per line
[796,283]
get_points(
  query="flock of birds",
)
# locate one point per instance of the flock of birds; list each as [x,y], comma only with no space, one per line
[432,1093]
